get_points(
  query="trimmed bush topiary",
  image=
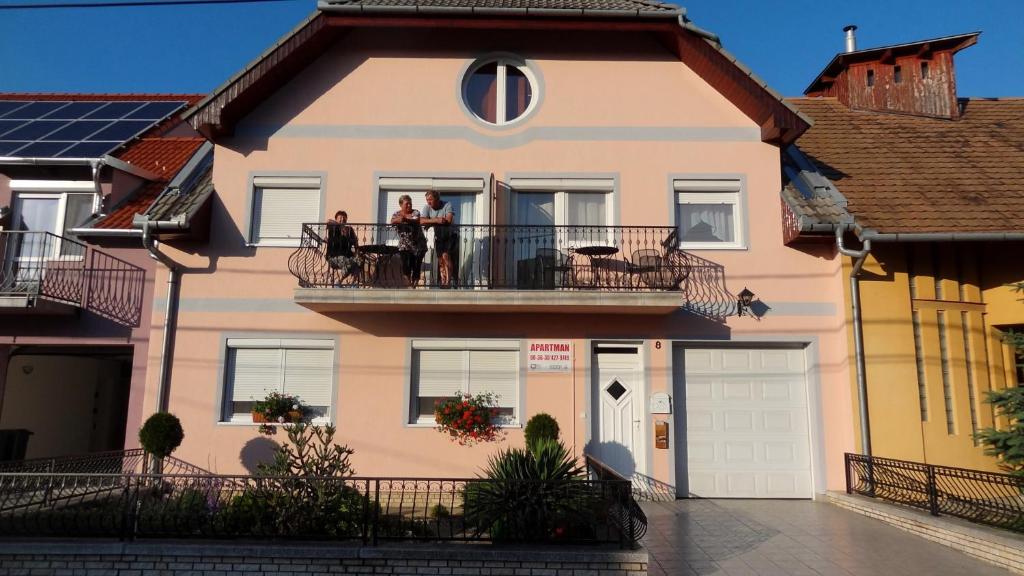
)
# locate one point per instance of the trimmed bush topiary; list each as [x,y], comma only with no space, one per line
[540,426]
[161,434]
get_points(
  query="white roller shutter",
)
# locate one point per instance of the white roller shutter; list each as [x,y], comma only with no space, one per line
[440,373]
[281,205]
[254,372]
[308,375]
[563,184]
[690,185]
[497,372]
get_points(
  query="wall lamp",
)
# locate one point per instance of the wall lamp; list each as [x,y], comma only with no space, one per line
[743,302]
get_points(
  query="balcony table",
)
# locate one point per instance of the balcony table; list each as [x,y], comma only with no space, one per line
[599,256]
[375,255]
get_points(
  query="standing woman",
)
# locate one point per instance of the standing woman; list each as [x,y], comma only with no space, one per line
[412,243]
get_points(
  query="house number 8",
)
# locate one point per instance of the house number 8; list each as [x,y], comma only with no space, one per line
[657,345]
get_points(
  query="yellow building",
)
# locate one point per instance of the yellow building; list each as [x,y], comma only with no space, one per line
[926,188]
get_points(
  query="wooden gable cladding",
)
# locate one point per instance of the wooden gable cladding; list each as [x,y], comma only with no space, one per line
[217,114]
[779,124]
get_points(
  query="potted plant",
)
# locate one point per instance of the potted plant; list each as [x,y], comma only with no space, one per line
[468,418]
[277,408]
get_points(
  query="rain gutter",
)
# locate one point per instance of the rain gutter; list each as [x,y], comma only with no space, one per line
[170,310]
[859,257]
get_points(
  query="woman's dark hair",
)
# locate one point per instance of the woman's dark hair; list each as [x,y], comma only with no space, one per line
[341,213]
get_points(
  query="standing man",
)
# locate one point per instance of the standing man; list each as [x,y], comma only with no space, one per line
[439,215]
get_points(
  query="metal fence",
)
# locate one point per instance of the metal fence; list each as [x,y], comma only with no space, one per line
[45,265]
[983,497]
[617,258]
[133,461]
[370,510]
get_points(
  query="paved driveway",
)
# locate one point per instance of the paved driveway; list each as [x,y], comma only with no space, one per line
[795,537]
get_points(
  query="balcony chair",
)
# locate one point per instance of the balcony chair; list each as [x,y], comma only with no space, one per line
[554,268]
[657,270]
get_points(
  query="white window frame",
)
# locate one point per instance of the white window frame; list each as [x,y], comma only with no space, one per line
[227,415]
[500,113]
[49,189]
[726,191]
[413,419]
[296,181]
[561,188]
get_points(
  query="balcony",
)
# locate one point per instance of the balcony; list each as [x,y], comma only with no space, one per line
[503,268]
[43,273]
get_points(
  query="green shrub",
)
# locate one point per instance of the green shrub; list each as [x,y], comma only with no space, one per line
[1007,444]
[440,511]
[310,451]
[540,426]
[161,434]
[512,504]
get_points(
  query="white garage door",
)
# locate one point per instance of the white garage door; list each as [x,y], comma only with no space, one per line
[746,423]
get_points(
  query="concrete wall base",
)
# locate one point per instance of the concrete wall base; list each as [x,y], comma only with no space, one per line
[91,558]
[998,547]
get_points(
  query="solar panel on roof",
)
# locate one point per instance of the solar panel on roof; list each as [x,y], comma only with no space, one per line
[88,150]
[41,149]
[82,129]
[121,130]
[77,130]
[7,106]
[34,110]
[34,130]
[8,125]
[74,110]
[154,111]
[114,110]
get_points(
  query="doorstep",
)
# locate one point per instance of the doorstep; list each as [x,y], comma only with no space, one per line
[998,547]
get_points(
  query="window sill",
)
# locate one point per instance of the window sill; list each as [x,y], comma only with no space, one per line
[256,424]
[432,425]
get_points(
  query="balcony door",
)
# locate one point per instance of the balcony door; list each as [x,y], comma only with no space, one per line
[553,217]
[471,209]
[41,223]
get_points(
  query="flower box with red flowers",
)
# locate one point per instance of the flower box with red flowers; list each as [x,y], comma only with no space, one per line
[468,418]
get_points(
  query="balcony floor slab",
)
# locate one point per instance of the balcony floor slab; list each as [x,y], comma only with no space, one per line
[489,301]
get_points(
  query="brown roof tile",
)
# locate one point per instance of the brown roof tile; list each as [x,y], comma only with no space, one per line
[905,173]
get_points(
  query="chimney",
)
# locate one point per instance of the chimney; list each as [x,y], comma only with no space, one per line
[851,38]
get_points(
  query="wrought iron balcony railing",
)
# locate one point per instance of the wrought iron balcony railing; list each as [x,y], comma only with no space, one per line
[52,267]
[509,257]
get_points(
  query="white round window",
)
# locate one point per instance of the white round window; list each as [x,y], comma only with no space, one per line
[499,90]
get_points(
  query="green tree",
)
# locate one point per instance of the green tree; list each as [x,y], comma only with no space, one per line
[1007,445]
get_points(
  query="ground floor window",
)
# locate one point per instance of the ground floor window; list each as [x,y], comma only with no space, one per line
[257,366]
[443,368]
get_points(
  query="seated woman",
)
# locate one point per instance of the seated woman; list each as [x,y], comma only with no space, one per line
[341,247]
[412,243]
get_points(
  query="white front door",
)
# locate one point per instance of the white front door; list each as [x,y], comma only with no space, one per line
[747,429]
[618,405]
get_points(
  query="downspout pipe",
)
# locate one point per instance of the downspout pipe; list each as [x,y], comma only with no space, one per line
[859,257]
[170,313]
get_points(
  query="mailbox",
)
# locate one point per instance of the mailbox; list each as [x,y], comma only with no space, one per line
[661,435]
[661,403]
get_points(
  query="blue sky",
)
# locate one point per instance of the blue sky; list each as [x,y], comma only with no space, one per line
[195,48]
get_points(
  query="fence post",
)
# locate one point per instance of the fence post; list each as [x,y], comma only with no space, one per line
[366,512]
[870,461]
[376,509]
[846,470]
[933,490]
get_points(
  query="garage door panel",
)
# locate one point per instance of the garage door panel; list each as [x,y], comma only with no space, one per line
[747,428]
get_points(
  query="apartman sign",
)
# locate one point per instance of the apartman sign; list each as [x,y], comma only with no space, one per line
[549,356]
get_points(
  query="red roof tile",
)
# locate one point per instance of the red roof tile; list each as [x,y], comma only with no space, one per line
[162,156]
[121,217]
[903,173]
[76,97]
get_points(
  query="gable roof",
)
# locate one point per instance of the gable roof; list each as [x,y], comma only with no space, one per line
[640,8]
[697,48]
[843,59]
[910,174]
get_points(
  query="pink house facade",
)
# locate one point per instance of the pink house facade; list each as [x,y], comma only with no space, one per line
[615,179]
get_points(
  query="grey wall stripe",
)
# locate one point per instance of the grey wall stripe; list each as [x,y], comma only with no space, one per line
[495,141]
[279,305]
